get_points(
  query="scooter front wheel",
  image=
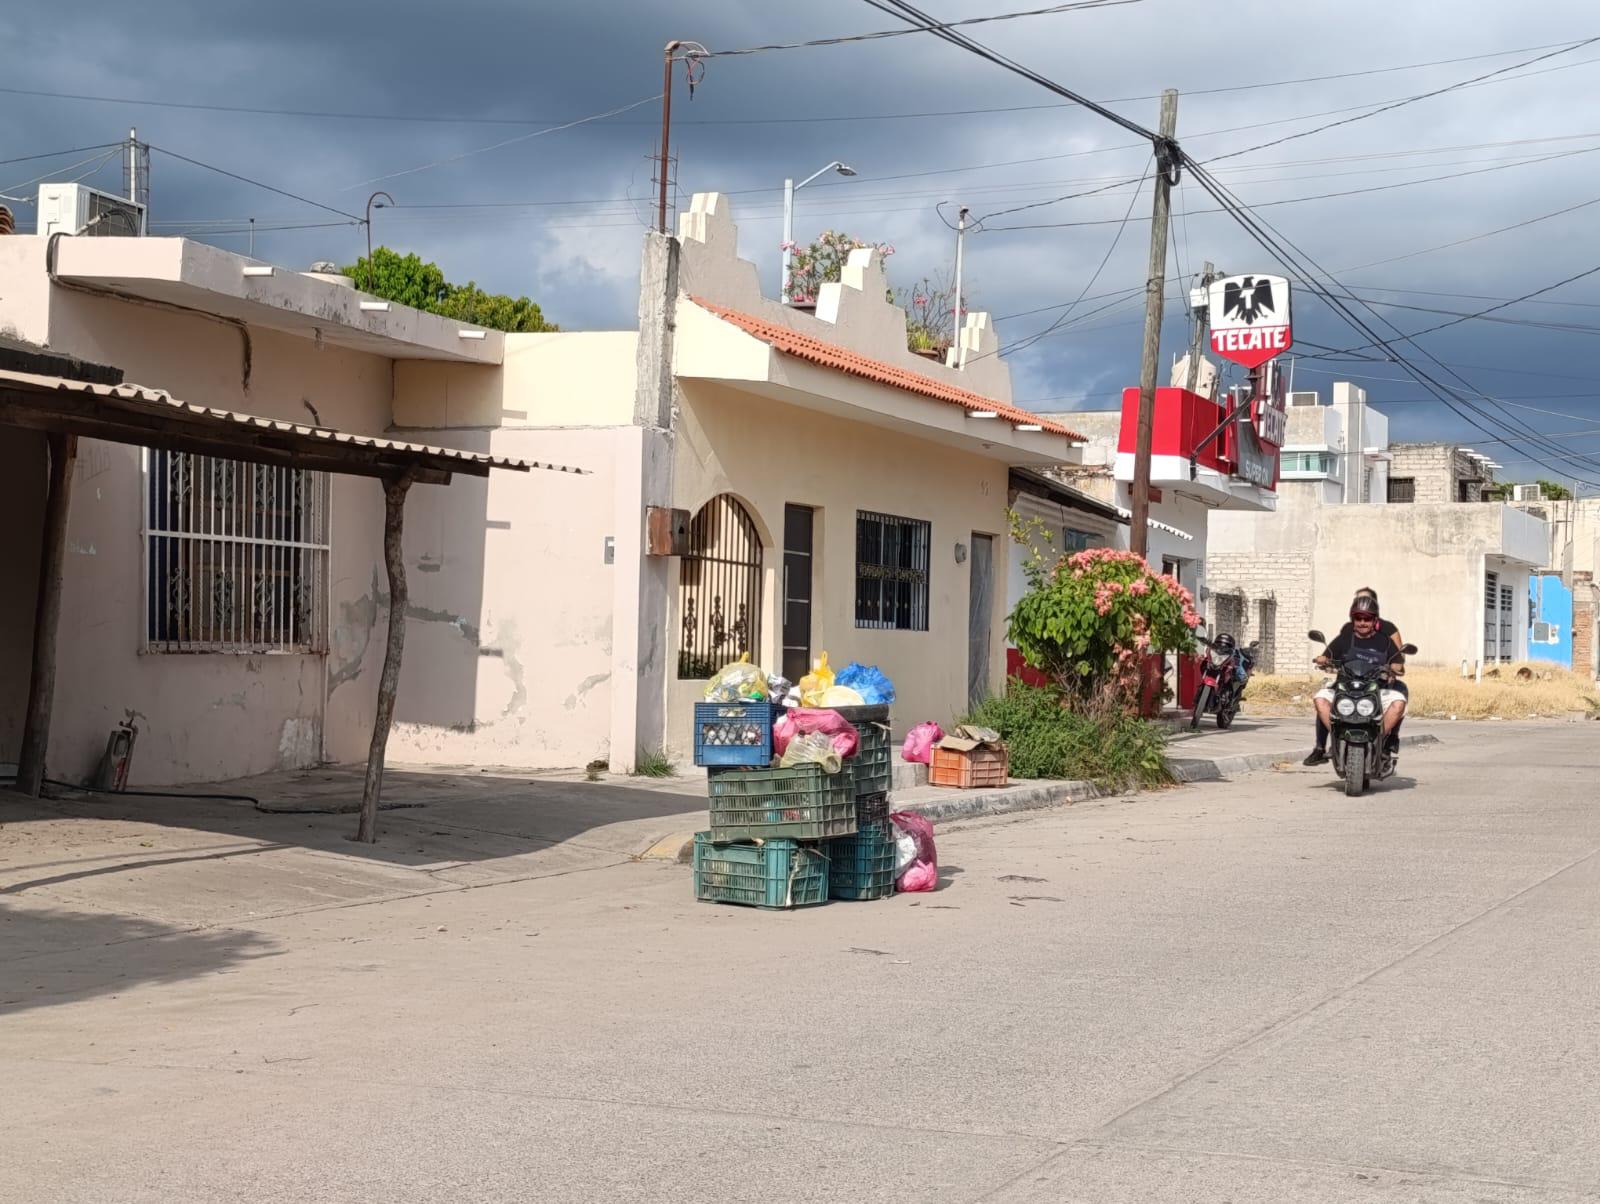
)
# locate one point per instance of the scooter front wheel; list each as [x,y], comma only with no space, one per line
[1355,772]
[1202,704]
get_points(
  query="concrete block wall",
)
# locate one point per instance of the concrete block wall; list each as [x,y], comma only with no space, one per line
[1237,585]
[1436,467]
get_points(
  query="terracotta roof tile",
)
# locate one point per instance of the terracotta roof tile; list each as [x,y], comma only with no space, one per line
[831,355]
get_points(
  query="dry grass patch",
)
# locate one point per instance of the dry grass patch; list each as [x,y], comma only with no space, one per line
[1510,692]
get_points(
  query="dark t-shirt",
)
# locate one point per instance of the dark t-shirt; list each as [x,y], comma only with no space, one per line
[1374,649]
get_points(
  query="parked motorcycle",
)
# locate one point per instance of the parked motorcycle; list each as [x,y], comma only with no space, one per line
[1224,673]
[1356,728]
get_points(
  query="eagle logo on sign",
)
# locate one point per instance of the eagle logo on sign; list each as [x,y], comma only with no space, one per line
[1247,299]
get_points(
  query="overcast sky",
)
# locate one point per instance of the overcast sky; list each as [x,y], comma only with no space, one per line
[507,68]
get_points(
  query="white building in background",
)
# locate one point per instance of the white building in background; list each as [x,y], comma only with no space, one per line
[1355,510]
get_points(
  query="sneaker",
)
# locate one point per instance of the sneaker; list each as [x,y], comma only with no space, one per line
[1319,756]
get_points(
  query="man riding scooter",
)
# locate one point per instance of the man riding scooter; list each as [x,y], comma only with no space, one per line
[1319,754]
[1363,640]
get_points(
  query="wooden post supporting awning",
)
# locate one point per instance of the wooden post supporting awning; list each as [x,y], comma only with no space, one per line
[68,409]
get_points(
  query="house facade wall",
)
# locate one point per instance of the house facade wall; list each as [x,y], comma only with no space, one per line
[767,454]
[205,716]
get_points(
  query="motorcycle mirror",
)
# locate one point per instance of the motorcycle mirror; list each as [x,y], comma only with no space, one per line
[1316,635]
[1409,649]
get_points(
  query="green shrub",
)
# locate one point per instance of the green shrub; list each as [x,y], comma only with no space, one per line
[1050,738]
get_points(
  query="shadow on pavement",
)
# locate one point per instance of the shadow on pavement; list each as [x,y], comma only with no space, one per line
[124,952]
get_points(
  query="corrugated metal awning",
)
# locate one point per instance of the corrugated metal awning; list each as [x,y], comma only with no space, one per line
[153,418]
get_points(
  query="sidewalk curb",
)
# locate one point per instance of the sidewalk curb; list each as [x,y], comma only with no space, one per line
[1043,795]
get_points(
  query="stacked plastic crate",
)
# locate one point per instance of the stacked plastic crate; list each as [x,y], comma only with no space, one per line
[782,838]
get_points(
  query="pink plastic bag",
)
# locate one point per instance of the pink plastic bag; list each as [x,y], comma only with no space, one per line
[916,860]
[802,721]
[920,741]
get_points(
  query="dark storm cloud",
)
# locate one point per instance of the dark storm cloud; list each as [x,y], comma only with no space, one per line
[548,63]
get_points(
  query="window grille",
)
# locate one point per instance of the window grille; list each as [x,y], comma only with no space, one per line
[236,556]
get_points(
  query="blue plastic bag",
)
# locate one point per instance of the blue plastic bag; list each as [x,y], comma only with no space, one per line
[869,681]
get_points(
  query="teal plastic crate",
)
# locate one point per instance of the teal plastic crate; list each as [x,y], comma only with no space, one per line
[800,803]
[873,764]
[774,874]
[862,866]
[871,809]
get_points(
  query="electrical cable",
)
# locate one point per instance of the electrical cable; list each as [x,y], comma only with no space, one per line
[221,171]
[1304,266]
[462,119]
[1390,107]
[1053,10]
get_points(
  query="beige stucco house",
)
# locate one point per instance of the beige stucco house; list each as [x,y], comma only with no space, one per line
[838,493]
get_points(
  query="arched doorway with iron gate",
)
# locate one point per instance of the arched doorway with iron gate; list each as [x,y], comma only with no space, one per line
[719,589]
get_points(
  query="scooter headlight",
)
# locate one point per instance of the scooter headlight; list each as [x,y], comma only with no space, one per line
[1345,706]
[1366,708]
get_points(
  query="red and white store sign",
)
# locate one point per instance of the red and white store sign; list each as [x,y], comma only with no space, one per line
[1249,318]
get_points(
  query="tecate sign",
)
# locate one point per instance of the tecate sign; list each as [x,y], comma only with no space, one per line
[1249,317]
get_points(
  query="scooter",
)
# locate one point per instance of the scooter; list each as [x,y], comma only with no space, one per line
[1224,673]
[1358,748]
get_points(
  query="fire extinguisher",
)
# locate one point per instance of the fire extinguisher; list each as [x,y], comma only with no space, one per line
[118,759]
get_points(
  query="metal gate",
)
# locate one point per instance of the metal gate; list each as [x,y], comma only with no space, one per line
[1499,642]
[719,589]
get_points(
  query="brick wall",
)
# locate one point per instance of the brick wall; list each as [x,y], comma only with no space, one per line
[1237,585]
[1583,623]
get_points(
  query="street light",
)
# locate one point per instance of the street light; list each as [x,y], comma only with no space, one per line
[789,189]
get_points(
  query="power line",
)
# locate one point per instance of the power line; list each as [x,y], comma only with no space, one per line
[221,171]
[1321,196]
[60,154]
[1460,242]
[554,129]
[463,119]
[1387,108]
[1456,321]
[898,33]
[1305,266]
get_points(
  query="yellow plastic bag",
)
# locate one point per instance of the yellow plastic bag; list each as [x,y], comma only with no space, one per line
[816,683]
[738,681]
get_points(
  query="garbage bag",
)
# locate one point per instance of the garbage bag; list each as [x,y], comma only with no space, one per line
[871,682]
[920,742]
[921,871]
[840,696]
[812,748]
[816,683]
[738,681]
[779,689]
[801,721]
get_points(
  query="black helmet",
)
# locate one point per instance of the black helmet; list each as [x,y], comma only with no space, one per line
[1365,606]
[1224,643]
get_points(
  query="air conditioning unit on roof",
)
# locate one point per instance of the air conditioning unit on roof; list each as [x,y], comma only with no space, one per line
[78,209]
[1303,399]
[1527,493]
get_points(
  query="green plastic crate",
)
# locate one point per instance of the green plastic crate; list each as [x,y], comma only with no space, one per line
[774,874]
[862,866]
[871,809]
[801,803]
[873,764]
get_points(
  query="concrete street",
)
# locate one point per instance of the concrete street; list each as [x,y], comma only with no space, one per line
[1252,991]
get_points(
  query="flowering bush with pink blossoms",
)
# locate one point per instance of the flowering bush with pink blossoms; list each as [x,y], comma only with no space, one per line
[823,263]
[1089,619]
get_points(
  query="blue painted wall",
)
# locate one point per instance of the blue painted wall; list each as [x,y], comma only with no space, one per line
[1549,601]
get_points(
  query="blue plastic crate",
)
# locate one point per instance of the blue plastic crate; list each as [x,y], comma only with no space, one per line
[733,733]
[774,874]
[862,866]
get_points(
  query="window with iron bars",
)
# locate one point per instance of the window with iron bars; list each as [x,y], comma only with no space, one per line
[236,556]
[892,560]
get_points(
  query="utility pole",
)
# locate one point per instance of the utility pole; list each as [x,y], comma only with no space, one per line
[1166,150]
[138,188]
[1201,323]
[961,238]
[666,134]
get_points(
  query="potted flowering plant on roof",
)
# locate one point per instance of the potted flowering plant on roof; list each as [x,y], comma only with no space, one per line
[823,263]
[928,305]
